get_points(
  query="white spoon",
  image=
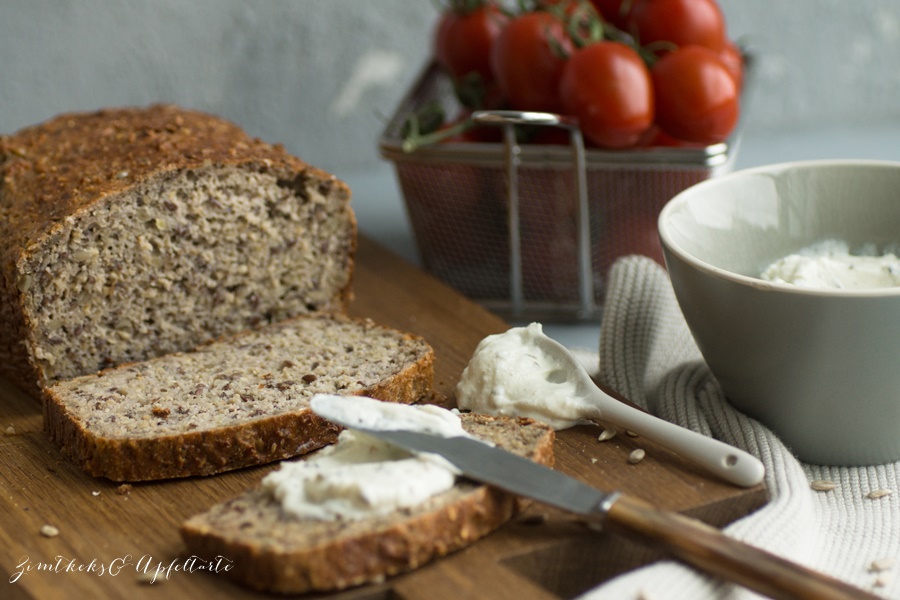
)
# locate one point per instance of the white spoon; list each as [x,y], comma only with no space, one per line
[729,463]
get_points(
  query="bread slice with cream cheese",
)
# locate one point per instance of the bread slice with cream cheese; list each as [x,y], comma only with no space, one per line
[276,551]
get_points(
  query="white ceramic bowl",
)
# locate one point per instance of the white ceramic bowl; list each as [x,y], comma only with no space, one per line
[821,368]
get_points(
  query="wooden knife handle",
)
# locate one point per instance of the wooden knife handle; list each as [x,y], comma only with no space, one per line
[709,550]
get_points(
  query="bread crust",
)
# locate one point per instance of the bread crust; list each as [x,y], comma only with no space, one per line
[469,512]
[206,452]
[54,169]
[59,169]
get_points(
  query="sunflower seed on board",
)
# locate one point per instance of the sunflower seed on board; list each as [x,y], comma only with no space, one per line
[636,456]
[49,531]
[606,434]
[147,578]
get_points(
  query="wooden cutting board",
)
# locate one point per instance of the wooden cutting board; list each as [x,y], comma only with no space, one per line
[107,536]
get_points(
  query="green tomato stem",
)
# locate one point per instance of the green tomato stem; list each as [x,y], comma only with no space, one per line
[415,140]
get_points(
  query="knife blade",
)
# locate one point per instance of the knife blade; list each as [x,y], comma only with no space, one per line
[691,541]
[503,469]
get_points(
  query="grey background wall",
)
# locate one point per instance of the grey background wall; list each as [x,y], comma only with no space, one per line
[320,76]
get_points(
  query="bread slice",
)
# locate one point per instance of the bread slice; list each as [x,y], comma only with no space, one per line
[136,232]
[240,401]
[274,551]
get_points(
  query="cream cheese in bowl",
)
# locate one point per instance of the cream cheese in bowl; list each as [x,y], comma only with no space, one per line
[813,360]
[830,264]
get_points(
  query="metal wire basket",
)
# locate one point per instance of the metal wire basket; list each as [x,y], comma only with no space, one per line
[530,230]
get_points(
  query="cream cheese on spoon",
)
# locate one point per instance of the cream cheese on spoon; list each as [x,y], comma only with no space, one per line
[509,375]
[524,373]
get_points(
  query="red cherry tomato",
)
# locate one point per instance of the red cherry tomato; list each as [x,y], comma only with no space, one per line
[608,88]
[680,22]
[614,11]
[731,57]
[528,60]
[656,137]
[463,40]
[697,99]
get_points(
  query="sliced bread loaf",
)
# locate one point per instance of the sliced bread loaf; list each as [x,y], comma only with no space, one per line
[272,550]
[131,233]
[240,401]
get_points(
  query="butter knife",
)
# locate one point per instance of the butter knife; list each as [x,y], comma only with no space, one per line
[688,540]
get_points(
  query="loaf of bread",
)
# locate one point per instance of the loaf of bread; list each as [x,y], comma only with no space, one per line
[132,233]
[239,401]
[272,550]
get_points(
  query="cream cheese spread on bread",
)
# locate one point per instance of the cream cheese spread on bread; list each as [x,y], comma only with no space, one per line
[508,375]
[360,476]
